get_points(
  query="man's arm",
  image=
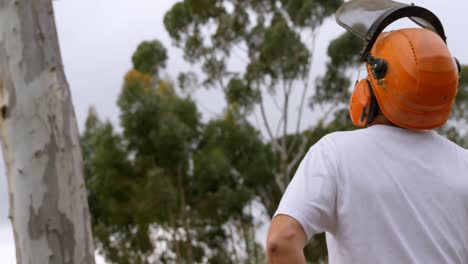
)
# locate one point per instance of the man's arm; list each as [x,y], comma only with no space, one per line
[286,241]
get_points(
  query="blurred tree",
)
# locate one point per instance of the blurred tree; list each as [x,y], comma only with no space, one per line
[275,40]
[150,57]
[229,163]
[160,129]
[333,86]
[110,181]
[461,102]
[140,179]
[170,180]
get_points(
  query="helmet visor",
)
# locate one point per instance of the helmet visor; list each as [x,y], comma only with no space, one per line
[358,16]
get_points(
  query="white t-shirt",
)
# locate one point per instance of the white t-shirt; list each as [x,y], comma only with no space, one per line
[384,195]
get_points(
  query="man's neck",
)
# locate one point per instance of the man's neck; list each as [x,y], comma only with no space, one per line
[380,119]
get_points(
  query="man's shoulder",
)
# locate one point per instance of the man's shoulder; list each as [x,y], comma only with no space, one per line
[340,141]
[385,135]
[347,137]
[449,144]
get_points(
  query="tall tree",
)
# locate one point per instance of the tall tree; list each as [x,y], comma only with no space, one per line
[275,41]
[40,140]
[170,181]
[150,57]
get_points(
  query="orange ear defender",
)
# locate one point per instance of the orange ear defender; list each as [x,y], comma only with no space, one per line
[362,104]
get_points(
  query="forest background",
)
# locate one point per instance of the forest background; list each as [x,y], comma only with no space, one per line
[98,40]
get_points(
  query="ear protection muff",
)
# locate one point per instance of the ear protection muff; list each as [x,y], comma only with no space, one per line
[362,104]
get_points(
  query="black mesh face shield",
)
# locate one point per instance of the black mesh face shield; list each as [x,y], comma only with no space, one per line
[368,18]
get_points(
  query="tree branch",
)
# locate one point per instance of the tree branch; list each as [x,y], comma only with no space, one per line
[274,143]
[284,143]
[257,119]
[306,84]
[305,89]
[278,127]
[275,102]
[280,181]
[302,148]
[287,93]
[327,113]
[234,244]
[240,57]
[299,154]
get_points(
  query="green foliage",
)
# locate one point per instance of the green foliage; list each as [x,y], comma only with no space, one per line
[110,182]
[133,187]
[461,102]
[334,85]
[459,114]
[168,171]
[231,29]
[241,94]
[158,123]
[215,70]
[178,19]
[274,46]
[150,57]
[344,50]
[272,38]
[283,54]
[310,13]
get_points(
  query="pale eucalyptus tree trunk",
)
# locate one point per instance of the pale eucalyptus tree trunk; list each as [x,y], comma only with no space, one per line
[40,140]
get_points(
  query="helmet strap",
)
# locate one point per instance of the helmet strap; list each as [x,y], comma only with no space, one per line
[458,65]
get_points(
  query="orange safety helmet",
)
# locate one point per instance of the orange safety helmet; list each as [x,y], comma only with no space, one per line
[413,78]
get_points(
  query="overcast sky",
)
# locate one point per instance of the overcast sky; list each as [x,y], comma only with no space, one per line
[98,37]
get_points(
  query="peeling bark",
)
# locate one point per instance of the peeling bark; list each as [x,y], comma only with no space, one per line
[40,140]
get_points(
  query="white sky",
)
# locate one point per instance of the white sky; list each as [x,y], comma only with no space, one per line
[98,37]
